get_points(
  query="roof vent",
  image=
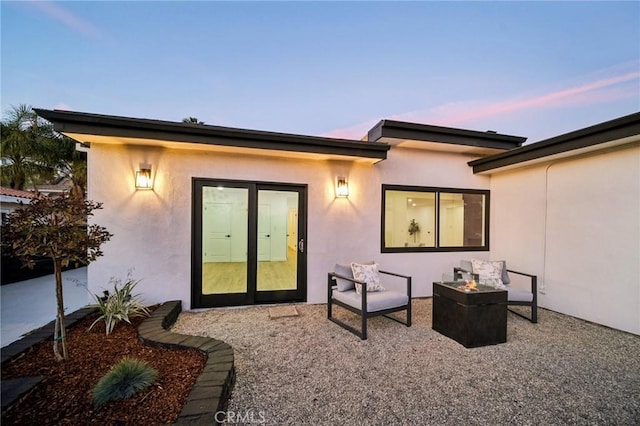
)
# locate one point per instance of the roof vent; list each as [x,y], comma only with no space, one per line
[491,131]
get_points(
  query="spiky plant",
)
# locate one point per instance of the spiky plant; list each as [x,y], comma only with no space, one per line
[121,305]
[125,379]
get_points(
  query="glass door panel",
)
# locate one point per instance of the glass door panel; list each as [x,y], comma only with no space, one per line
[277,240]
[248,243]
[224,240]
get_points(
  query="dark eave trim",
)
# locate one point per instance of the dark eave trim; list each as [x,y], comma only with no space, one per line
[429,133]
[600,133]
[108,125]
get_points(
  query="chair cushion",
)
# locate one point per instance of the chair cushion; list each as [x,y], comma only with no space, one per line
[466,265]
[490,272]
[518,295]
[505,275]
[368,274]
[376,301]
[345,271]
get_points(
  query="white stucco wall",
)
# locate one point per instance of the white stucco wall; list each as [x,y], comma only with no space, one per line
[152,229]
[576,224]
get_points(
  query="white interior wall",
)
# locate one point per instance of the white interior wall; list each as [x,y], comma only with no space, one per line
[152,229]
[278,213]
[576,225]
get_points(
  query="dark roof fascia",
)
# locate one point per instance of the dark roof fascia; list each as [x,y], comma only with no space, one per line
[608,131]
[429,133]
[108,125]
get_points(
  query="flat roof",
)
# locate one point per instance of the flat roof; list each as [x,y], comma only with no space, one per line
[425,136]
[99,128]
[617,132]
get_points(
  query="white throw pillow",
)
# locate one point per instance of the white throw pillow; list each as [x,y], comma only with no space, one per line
[490,273]
[368,274]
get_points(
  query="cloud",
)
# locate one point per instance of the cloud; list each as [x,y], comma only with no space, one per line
[616,83]
[70,20]
[357,131]
[62,106]
[588,93]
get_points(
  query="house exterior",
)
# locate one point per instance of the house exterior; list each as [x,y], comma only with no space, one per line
[237,217]
[12,199]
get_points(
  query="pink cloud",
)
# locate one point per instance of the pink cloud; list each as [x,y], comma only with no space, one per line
[622,84]
[588,93]
[357,131]
[60,13]
[62,106]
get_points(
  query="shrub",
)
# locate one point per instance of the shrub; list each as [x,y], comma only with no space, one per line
[124,380]
[119,305]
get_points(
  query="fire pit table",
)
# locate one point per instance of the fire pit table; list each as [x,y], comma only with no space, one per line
[471,315]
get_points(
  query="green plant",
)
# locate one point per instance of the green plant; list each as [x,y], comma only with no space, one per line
[414,228]
[121,305]
[125,379]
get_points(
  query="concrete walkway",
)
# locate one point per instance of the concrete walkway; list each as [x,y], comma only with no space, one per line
[30,304]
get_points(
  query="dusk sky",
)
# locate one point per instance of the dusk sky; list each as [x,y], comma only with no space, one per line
[534,69]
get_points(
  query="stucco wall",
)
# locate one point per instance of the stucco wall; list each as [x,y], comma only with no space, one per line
[575,224]
[152,229]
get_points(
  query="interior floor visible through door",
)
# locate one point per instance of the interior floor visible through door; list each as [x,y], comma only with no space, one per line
[231,277]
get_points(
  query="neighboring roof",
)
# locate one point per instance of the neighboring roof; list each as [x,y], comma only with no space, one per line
[424,136]
[10,196]
[620,131]
[64,184]
[10,192]
[98,128]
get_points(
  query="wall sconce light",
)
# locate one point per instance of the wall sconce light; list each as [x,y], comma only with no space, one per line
[342,187]
[143,178]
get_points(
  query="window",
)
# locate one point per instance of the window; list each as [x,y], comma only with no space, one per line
[434,219]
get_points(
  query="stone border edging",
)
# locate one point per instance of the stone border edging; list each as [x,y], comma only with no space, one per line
[41,334]
[15,389]
[212,389]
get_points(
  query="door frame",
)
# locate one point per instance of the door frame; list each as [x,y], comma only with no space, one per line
[251,296]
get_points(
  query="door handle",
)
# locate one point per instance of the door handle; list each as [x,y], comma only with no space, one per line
[268,236]
[301,245]
[228,236]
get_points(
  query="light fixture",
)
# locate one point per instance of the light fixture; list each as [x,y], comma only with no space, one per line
[143,178]
[342,187]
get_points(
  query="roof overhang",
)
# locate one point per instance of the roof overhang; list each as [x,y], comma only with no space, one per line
[437,138]
[12,199]
[106,129]
[614,134]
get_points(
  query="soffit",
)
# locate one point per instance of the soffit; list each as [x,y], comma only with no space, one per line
[619,133]
[624,143]
[440,146]
[439,138]
[184,145]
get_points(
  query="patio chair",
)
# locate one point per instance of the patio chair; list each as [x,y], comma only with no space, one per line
[369,299]
[515,296]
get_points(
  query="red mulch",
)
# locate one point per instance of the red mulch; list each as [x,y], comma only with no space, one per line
[65,395]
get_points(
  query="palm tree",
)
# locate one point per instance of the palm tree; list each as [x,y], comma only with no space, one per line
[192,120]
[32,152]
[21,159]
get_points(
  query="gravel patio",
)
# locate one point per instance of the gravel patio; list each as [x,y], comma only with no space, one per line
[307,370]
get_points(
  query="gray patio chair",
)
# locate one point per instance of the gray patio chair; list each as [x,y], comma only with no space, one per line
[368,304]
[515,296]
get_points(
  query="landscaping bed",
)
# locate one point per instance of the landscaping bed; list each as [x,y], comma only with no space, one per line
[65,394]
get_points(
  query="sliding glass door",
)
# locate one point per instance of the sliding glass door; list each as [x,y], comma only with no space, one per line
[248,243]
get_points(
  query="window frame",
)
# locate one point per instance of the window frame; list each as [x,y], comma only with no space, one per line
[437,191]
